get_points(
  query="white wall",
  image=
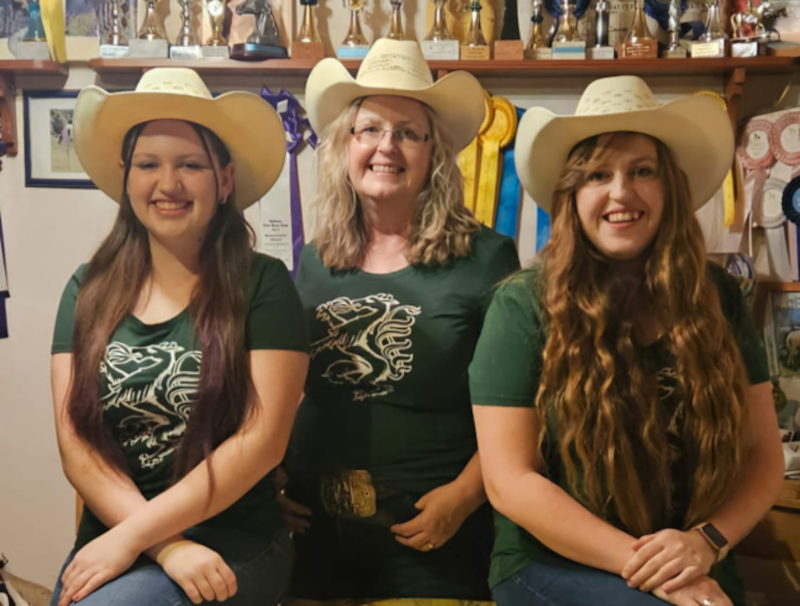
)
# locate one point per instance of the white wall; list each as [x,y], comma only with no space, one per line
[49,232]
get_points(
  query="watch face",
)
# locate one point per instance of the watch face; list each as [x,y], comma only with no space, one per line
[715,535]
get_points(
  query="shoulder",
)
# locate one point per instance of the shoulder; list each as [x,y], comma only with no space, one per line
[267,273]
[728,287]
[525,288]
[486,242]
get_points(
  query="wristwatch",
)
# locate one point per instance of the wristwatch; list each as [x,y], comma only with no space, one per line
[715,538]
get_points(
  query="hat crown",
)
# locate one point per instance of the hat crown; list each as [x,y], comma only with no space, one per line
[617,95]
[396,64]
[173,81]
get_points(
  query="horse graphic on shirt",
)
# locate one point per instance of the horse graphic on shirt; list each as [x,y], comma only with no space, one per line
[372,336]
[158,408]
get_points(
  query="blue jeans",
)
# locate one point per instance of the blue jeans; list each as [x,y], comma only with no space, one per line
[262,568]
[561,582]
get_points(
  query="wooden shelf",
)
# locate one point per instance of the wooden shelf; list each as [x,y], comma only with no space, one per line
[9,70]
[214,67]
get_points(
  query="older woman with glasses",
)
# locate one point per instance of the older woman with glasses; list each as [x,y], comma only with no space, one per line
[384,490]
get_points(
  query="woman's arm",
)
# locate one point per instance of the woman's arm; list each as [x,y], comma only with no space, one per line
[507,441]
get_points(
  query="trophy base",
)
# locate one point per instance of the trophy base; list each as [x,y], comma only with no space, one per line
[223,51]
[185,52]
[441,50]
[475,53]
[352,52]
[33,51]
[744,48]
[258,52]
[308,51]
[600,53]
[508,50]
[539,54]
[715,49]
[783,49]
[675,53]
[113,51]
[569,50]
[149,49]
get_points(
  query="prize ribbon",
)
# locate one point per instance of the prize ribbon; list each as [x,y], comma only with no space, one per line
[791,201]
[499,134]
[298,130]
[784,138]
[755,150]
[659,10]
[507,219]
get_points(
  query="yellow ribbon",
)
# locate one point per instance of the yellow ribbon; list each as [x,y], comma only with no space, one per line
[53,21]
[468,158]
[499,134]
[728,187]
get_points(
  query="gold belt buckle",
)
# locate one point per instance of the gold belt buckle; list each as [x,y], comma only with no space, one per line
[349,494]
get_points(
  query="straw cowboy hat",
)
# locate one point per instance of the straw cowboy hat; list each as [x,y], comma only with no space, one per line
[248,126]
[397,67]
[696,129]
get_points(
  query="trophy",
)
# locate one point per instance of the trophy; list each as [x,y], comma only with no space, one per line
[216,47]
[33,45]
[187,43]
[602,49]
[509,47]
[746,29]
[639,42]
[396,30]
[567,42]
[711,43]
[115,44]
[475,47]
[308,44]
[265,41]
[355,45]
[440,43]
[537,48]
[674,49]
[151,40]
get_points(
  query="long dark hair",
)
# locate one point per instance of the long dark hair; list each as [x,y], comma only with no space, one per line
[113,281]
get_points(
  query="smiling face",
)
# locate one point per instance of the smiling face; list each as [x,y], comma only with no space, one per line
[173,185]
[382,165]
[622,201]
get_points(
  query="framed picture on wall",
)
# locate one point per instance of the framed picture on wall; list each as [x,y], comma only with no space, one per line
[781,321]
[50,159]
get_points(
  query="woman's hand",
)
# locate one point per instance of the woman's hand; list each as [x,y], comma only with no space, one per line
[198,570]
[703,591]
[669,559]
[294,514]
[97,563]
[443,511]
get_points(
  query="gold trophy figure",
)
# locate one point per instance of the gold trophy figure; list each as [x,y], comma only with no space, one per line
[355,44]
[639,42]
[216,15]
[308,44]
[396,30]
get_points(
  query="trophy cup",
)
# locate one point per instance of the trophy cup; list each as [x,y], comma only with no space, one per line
[216,47]
[509,47]
[711,43]
[187,43]
[151,40]
[115,44]
[568,43]
[674,49]
[440,43]
[308,44]
[396,29]
[265,41]
[602,49]
[746,29]
[639,42]
[537,48]
[475,47]
[355,45]
[33,45]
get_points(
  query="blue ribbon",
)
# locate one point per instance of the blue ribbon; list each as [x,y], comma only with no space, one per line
[298,130]
[507,221]
[542,228]
[3,294]
[659,10]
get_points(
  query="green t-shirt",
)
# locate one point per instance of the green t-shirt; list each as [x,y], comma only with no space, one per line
[507,368]
[387,389]
[150,376]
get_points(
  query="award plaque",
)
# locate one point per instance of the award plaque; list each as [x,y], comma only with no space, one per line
[265,41]
[440,43]
[355,44]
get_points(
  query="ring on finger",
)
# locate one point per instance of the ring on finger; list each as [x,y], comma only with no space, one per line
[430,546]
[707,602]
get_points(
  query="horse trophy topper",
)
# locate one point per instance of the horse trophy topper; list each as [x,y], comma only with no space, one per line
[265,41]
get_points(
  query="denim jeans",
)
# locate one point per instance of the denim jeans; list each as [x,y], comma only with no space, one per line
[262,568]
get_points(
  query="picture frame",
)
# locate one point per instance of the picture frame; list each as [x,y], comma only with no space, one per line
[50,159]
[780,318]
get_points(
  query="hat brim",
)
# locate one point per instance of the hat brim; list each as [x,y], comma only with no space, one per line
[247,125]
[696,129]
[457,99]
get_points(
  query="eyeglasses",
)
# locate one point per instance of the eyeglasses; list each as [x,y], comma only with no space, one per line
[405,136]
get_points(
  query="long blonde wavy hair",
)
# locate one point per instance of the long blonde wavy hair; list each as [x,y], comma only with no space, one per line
[610,421]
[441,229]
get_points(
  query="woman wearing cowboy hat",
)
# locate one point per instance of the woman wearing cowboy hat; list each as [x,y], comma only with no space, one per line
[625,423]
[395,285]
[171,456]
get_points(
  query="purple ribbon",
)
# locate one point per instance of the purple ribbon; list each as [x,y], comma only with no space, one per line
[298,131]
[4,294]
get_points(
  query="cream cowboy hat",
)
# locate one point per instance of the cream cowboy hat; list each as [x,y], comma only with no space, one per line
[397,67]
[248,126]
[695,128]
